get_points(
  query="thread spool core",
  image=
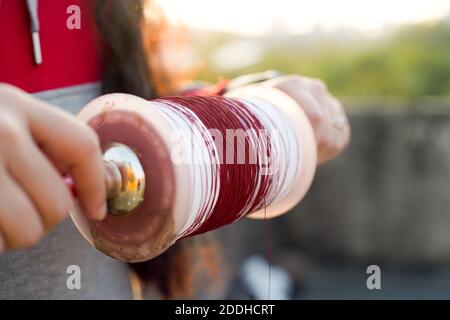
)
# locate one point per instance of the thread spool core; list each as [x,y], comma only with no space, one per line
[125,179]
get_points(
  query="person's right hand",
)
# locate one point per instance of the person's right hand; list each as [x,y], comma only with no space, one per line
[325,113]
[39,143]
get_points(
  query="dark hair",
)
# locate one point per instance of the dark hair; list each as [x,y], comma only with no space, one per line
[128,70]
[120,27]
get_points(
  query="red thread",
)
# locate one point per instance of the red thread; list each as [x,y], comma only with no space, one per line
[238,181]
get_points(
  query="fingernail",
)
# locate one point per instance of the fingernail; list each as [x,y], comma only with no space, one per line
[100,213]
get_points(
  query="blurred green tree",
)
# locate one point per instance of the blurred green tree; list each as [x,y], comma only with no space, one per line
[412,62]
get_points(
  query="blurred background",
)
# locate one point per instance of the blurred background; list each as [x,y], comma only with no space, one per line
[386,201]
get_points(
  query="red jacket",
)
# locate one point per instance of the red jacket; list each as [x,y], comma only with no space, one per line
[70,57]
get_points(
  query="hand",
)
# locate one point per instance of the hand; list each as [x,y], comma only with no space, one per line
[39,143]
[325,112]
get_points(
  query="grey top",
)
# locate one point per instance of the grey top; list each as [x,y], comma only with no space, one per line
[40,272]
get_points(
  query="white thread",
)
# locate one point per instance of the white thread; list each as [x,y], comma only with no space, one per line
[204,161]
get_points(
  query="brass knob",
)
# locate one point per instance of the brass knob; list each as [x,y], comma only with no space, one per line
[125,179]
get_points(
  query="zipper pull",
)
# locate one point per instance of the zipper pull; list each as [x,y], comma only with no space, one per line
[34,21]
[36,47]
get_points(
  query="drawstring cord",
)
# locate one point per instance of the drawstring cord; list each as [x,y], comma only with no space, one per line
[34,21]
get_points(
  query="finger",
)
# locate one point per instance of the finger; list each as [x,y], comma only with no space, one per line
[320,125]
[2,243]
[20,223]
[298,89]
[341,123]
[337,135]
[76,146]
[320,92]
[310,106]
[336,107]
[335,123]
[68,141]
[41,181]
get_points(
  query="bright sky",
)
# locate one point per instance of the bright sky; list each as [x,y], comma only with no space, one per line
[259,16]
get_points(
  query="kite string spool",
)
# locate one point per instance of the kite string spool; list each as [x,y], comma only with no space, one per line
[242,154]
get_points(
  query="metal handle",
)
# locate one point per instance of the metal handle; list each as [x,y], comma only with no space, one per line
[124,179]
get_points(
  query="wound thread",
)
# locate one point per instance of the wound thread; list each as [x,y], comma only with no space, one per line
[242,154]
